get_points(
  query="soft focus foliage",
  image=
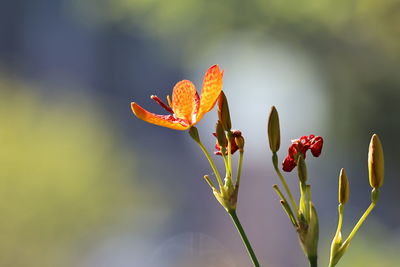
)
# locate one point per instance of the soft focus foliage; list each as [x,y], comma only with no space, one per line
[63,178]
[356,43]
[375,21]
[330,67]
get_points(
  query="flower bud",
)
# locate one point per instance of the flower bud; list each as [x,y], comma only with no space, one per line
[302,169]
[223,112]
[344,188]
[239,140]
[221,138]
[375,162]
[274,134]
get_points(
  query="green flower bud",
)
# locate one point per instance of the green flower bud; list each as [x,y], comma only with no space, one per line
[239,140]
[221,138]
[344,188]
[375,162]
[274,134]
[223,112]
[302,169]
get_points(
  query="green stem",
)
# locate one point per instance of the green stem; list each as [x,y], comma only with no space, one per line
[313,261]
[337,239]
[340,221]
[239,169]
[212,164]
[229,137]
[225,162]
[211,184]
[359,223]
[286,206]
[245,240]
[275,163]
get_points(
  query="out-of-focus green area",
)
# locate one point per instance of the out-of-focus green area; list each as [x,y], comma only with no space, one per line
[68,180]
[374,22]
[65,181]
[355,43]
[375,246]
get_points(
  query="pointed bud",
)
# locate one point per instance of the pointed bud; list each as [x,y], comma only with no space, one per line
[239,140]
[302,169]
[344,187]
[375,162]
[223,112]
[194,134]
[274,134]
[221,138]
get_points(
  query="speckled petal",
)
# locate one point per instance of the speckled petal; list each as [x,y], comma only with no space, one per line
[184,100]
[212,86]
[162,120]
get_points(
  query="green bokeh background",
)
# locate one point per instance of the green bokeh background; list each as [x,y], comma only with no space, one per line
[83,183]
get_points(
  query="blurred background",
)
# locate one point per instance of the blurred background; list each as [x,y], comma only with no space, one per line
[84,183]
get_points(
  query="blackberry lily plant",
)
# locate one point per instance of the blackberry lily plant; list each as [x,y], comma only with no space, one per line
[304,216]
[187,108]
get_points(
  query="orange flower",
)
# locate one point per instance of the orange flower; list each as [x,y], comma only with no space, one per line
[186,107]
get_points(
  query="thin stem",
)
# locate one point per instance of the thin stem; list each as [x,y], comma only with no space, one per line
[275,163]
[340,221]
[225,161]
[212,164]
[308,199]
[285,205]
[229,137]
[359,223]
[210,183]
[313,261]
[337,238]
[245,240]
[239,169]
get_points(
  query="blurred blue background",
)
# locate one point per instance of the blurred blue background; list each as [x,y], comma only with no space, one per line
[85,183]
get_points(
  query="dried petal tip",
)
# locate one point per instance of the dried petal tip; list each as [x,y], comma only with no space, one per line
[375,162]
[344,188]
[274,134]
[223,112]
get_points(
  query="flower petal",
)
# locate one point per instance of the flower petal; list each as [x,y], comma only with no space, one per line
[212,86]
[162,120]
[184,100]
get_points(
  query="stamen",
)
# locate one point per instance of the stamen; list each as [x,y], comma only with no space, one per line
[162,104]
[169,101]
